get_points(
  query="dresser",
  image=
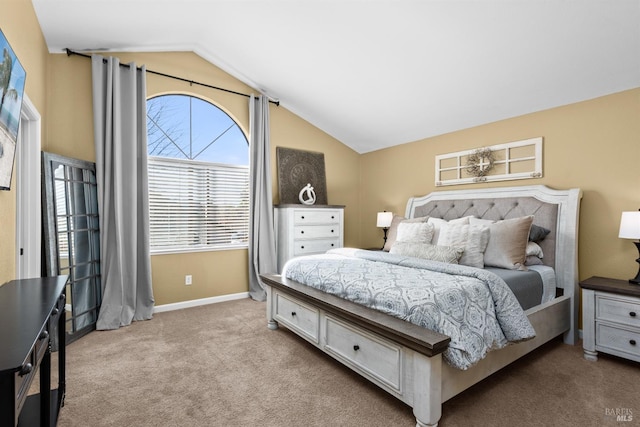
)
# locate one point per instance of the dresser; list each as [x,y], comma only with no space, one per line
[31,311]
[306,230]
[610,318]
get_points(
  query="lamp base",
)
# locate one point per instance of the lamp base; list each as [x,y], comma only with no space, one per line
[385,241]
[636,280]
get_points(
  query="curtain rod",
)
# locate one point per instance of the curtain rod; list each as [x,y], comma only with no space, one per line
[191,82]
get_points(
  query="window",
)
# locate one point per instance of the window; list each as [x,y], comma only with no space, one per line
[198,176]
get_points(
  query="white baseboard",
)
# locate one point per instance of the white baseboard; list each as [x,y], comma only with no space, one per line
[198,302]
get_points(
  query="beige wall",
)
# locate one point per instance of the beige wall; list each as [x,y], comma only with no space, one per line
[214,273]
[593,145]
[20,26]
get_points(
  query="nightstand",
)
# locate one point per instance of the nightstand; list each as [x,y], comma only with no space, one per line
[610,318]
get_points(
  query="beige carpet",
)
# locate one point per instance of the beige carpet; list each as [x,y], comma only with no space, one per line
[219,365]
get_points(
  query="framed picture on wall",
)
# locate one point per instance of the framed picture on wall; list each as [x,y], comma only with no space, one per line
[296,169]
[12,79]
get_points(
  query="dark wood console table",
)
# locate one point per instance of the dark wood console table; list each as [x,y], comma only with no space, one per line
[30,309]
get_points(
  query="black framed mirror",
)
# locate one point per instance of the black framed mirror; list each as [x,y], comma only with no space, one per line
[72,237]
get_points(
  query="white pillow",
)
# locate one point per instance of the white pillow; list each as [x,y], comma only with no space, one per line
[437,223]
[415,232]
[393,229]
[473,238]
[533,249]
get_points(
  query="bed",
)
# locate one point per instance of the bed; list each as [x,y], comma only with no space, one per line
[410,361]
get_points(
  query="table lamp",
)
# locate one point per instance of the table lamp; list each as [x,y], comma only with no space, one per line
[384,222]
[630,229]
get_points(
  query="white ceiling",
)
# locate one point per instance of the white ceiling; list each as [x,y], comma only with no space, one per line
[379,73]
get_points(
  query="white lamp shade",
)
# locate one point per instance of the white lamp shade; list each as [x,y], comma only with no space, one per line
[630,225]
[384,219]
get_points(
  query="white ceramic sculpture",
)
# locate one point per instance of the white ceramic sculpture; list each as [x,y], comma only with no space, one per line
[307,196]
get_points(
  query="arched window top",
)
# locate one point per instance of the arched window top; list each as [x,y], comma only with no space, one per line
[189,128]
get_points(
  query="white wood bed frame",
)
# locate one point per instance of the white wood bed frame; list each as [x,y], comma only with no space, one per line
[424,382]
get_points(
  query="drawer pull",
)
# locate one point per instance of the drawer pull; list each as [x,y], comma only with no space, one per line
[26,369]
[332,231]
[55,311]
[356,347]
[43,335]
[333,217]
[332,244]
[302,217]
[301,247]
[632,314]
[301,231]
[632,342]
[293,314]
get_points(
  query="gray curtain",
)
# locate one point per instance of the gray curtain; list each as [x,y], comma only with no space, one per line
[120,135]
[262,249]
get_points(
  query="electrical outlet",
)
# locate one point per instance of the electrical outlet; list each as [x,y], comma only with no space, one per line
[187,279]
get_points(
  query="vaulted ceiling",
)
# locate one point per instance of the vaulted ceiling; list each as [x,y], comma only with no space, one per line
[379,73]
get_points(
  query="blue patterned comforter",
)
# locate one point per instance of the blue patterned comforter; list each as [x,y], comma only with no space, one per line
[474,307]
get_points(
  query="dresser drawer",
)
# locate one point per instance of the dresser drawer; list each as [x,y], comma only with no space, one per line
[24,378]
[315,231]
[308,247]
[618,309]
[316,216]
[374,357]
[618,339]
[298,316]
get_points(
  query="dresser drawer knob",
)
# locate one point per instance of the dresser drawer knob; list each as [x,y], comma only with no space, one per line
[26,369]
[55,311]
[333,217]
[301,247]
[632,314]
[43,335]
[632,342]
[301,231]
[332,244]
[302,217]
[332,231]
[356,347]
[293,314]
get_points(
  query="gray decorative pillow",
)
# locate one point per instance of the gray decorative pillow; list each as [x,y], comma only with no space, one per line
[446,254]
[533,260]
[393,229]
[537,233]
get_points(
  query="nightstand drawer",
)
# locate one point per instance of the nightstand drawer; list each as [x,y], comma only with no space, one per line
[618,309]
[618,339]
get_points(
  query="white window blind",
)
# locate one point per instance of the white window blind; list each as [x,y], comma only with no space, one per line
[197,206]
